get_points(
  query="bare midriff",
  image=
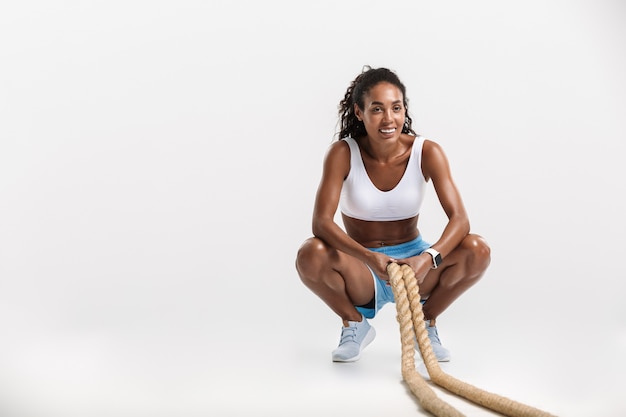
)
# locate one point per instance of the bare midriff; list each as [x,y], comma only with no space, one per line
[373,234]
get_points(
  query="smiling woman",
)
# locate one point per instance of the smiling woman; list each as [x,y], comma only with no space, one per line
[377,173]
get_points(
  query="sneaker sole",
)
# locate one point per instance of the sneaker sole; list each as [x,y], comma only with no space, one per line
[369,337]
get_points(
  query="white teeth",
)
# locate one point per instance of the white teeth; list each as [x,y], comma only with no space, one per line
[387,130]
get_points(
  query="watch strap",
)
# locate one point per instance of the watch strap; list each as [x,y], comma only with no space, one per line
[435,255]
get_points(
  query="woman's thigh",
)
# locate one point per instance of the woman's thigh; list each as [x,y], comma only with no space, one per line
[459,260]
[359,283]
[321,265]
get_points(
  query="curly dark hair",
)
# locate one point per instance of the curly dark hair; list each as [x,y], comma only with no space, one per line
[368,78]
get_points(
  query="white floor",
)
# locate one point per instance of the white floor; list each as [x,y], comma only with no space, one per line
[260,356]
[564,371]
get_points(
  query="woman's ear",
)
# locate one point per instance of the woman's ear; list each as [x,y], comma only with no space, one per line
[358,113]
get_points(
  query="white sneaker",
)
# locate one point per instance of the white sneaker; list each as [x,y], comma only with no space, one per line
[441,353]
[353,340]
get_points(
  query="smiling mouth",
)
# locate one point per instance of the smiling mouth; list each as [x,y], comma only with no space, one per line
[387,131]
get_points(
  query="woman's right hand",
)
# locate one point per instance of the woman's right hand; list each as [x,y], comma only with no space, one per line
[378,262]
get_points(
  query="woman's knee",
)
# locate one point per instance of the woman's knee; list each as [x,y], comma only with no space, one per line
[310,258]
[478,252]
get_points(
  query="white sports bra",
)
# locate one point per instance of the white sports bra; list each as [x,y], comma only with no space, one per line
[361,199]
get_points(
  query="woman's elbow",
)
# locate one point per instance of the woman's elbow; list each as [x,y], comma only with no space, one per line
[463,225]
[318,227]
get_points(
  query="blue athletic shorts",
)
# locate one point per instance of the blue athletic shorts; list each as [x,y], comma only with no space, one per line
[383,292]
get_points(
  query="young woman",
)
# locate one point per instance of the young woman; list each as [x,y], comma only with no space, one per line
[377,175]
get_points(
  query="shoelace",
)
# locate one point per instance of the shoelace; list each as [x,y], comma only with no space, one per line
[348,334]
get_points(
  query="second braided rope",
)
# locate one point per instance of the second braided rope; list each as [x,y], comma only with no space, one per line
[411,319]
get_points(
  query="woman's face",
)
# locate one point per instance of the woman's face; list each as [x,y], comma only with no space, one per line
[383,111]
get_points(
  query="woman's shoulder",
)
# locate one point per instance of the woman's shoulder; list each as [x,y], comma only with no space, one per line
[429,145]
[433,158]
[421,138]
[340,146]
[337,159]
[338,150]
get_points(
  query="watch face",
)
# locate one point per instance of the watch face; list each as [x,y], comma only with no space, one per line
[437,259]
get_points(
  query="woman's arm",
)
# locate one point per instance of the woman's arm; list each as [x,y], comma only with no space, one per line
[335,170]
[435,167]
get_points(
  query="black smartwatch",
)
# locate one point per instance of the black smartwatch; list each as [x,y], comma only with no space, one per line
[436,257]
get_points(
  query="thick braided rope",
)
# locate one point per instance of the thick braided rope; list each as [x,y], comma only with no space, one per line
[411,320]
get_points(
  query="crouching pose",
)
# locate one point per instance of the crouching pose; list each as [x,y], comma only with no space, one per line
[376,174]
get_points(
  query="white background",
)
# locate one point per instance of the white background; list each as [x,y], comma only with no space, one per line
[158,164]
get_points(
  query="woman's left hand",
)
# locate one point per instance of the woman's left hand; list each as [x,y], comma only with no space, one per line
[420,265]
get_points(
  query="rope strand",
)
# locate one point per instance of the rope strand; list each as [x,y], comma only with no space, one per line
[411,319]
